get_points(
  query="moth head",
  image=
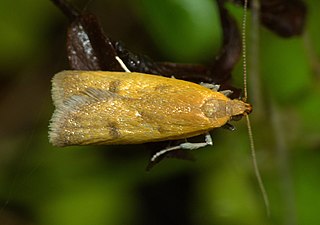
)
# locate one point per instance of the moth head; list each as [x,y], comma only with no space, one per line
[238,108]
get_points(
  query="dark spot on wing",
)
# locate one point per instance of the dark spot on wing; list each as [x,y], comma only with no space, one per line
[145,116]
[114,86]
[160,129]
[114,130]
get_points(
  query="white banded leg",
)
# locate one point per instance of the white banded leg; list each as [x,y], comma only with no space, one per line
[122,64]
[186,145]
[226,92]
[216,87]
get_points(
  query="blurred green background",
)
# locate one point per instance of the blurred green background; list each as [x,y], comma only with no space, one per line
[43,185]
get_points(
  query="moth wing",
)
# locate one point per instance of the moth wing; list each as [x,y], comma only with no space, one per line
[98,116]
[95,107]
[135,85]
[69,83]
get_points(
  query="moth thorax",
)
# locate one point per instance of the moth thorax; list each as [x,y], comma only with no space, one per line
[215,108]
[218,108]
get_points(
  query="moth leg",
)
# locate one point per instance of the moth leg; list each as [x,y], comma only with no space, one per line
[186,145]
[229,127]
[122,64]
[226,92]
[214,87]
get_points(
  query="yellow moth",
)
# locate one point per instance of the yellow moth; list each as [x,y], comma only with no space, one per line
[112,108]
[97,107]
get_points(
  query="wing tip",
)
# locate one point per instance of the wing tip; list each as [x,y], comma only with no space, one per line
[55,129]
[63,107]
[57,91]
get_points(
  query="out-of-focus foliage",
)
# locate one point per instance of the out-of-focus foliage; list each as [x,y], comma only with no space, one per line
[40,184]
[185,30]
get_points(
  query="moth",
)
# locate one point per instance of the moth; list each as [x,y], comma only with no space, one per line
[132,108]
[112,108]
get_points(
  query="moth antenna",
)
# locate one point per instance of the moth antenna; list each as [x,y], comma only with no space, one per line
[256,168]
[245,98]
[122,64]
[244,50]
